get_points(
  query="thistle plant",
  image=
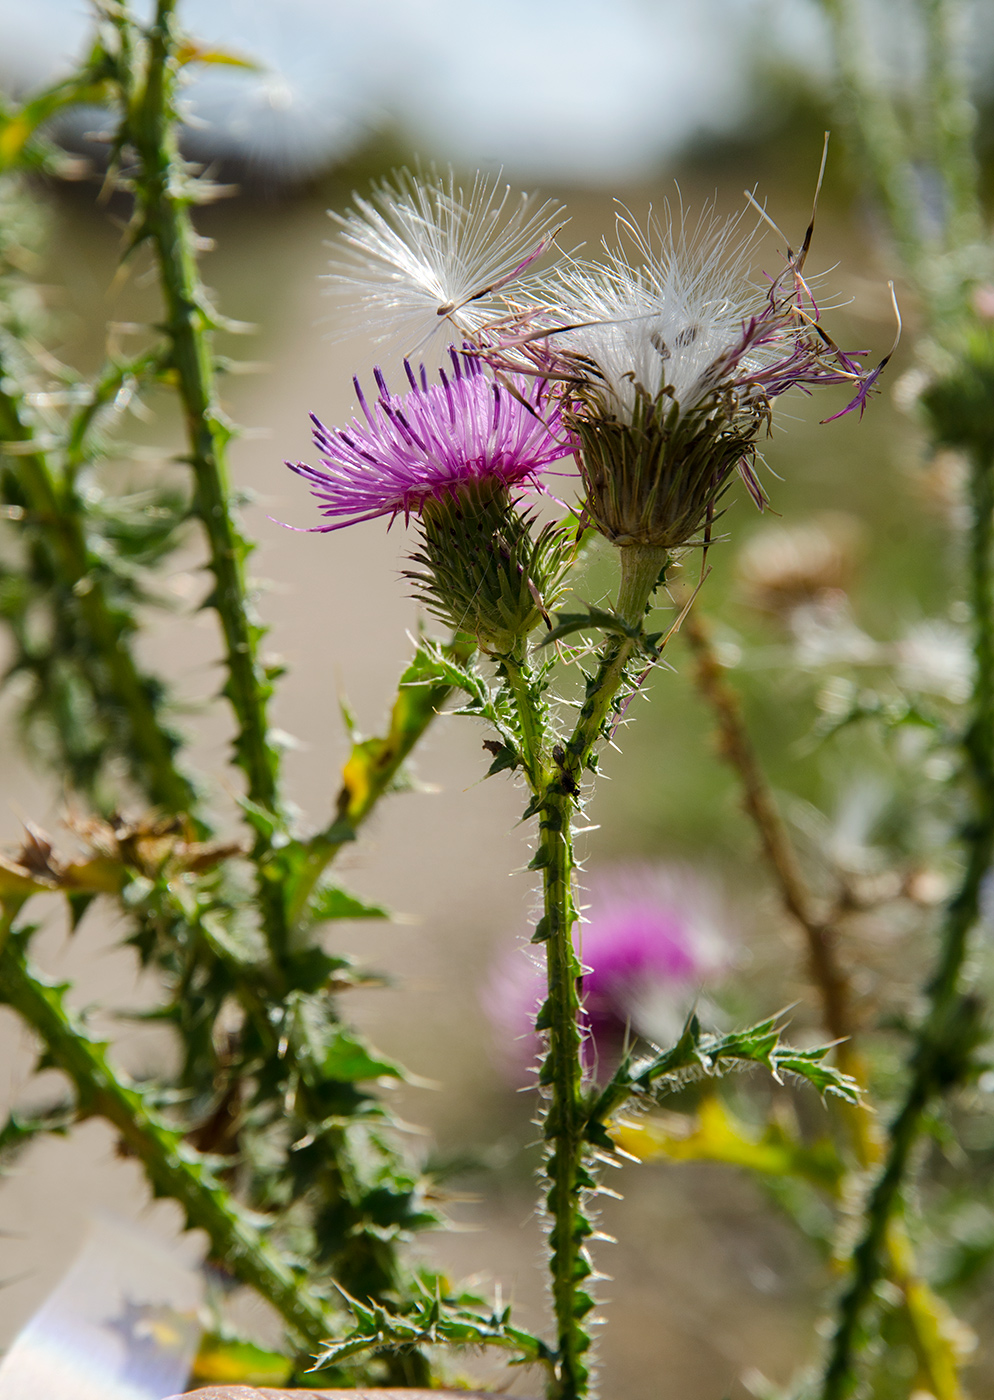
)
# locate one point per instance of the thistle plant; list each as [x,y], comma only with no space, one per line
[659,377]
[639,384]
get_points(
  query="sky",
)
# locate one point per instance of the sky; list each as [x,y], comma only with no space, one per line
[582,91]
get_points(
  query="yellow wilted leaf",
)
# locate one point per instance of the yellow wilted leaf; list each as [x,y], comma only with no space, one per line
[714,1134]
[191,52]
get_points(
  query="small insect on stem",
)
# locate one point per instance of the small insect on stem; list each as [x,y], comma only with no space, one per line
[566,778]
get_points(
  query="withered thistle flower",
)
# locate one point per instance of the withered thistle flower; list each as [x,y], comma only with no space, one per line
[670,363]
[422,254]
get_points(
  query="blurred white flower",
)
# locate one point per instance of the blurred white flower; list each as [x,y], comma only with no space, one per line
[934,656]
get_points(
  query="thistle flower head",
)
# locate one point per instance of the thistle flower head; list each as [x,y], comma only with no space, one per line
[671,361]
[664,356]
[657,321]
[653,938]
[423,252]
[469,427]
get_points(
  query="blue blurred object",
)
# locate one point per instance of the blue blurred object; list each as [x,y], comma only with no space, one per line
[121,1325]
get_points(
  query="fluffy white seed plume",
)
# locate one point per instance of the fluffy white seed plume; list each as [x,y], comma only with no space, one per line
[662,315]
[423,256]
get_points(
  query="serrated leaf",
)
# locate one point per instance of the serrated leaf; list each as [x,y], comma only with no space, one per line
[331,902]
[325,1049]
[569,623]
[700,1053]
[432,1320]
[506,758]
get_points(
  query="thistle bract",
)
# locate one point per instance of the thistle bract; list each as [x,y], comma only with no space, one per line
[471,427]
[484,569]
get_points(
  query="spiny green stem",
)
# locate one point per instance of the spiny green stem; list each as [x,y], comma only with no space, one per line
[554,775]
[528,704]
[113,673]
[942,1046]
[562,1073]
[642,566]
[150,126]
[562,1069]
[171,1165]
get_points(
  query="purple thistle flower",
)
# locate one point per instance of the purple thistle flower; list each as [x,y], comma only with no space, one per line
[652,940]
[471,427]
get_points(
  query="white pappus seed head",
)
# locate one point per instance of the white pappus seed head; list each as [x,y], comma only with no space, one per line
[661,319]
[422,254]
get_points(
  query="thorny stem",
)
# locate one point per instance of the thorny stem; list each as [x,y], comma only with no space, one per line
[562,1069]
[117,683]
[642,567]
[171,1165]
[561,1074]
[943,1042]
[165,220]
[188,323]
[554,775]
[528,705]
[927,1314]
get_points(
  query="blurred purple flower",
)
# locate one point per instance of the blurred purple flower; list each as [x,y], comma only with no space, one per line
[419,446]
[654,938]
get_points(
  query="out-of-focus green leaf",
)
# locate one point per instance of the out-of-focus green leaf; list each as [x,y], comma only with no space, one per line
[324,1049]
[329,902]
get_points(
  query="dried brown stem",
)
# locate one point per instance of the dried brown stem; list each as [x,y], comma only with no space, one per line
[932,1325]
[827,973]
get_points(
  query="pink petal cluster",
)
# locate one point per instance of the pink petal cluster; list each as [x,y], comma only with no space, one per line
[472,426]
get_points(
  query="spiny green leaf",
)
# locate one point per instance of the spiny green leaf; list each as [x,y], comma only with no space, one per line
[324,1049]
[432,1320]
[330,902]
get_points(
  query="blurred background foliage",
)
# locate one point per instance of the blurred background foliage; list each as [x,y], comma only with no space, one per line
[639,102]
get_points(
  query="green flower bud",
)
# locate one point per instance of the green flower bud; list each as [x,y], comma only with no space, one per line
[483,570]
